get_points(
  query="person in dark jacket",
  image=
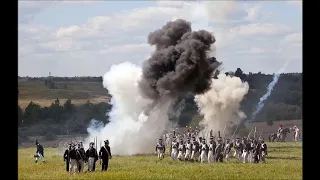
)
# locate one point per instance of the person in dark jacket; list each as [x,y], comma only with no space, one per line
[39,152]
[92,156]
[81,158]
[73,159]
[105,155]
[66,157]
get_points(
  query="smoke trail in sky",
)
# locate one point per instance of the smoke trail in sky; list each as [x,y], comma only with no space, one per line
[269,90]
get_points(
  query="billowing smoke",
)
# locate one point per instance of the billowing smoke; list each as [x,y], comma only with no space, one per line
[180,64]
[270,87]
[220,106]
[141,97]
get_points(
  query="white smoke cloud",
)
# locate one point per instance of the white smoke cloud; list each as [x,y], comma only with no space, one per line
[130,131]
[220,106]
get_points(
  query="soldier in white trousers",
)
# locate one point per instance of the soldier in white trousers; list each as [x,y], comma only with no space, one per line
[160,149]
[195,150]
[212,147]
[204,151]
[174,148]
[188,150]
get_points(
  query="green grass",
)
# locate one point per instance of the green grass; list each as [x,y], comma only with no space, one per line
[284,162]
[78,92]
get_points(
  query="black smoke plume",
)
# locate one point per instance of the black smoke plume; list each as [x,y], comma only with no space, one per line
[179,64]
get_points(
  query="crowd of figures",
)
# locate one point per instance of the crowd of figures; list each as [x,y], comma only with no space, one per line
[197,150]
[76,157]
[186,146]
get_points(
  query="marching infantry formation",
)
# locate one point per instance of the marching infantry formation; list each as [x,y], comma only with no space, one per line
[197,150]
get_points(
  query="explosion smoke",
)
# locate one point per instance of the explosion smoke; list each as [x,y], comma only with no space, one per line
[220,106]
[270,87]
[180,64]
[141,98]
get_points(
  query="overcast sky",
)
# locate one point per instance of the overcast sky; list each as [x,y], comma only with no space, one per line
[83,38]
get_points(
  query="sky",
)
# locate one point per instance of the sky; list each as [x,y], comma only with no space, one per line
[85,38]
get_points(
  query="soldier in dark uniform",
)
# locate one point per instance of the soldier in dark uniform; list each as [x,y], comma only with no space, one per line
[238,149]
[92,156]
[81,158]
[263,151]
[219,150]
[39,152]
[246,148]
[73,159]
[256,151]
[66,157]
[105,155]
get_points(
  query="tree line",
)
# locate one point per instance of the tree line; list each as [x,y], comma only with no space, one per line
[284,103]
[54,78]
[60,119]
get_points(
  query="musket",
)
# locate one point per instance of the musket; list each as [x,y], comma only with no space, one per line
[96,142]
[235,131]
[250,133]
[261,133]
[224,131]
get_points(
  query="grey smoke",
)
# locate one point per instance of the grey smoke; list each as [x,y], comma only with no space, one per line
[142,97]
[179,64]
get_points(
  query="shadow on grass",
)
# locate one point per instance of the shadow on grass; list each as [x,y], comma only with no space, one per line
[285,158]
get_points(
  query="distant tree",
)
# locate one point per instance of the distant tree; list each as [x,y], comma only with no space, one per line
[238,73]
[20,115]
[56,110]
[68,106]
[32,113]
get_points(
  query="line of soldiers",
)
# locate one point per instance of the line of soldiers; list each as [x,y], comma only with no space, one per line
[76,158]
[247,150]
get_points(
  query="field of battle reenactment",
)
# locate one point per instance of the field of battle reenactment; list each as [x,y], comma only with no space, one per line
[159,90]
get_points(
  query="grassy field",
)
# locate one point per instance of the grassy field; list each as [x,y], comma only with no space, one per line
[284,162]
[78,92]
